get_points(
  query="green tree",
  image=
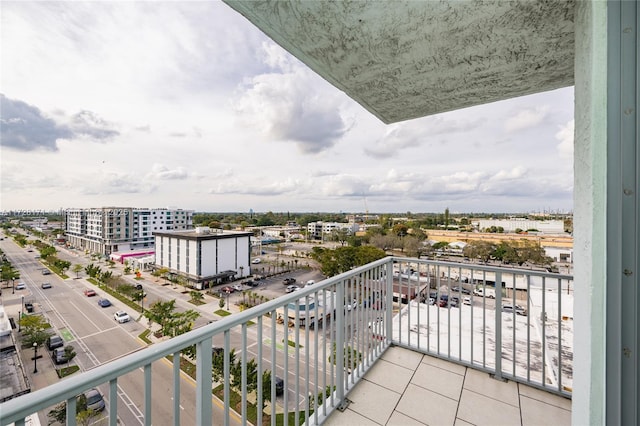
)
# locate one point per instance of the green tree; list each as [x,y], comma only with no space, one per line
[482,250]
[77,268]
[62,265]
[217,363]
[69,353]
[343,259]
[400,229]
[160,313]
[196,296]
[47,251]
[34,330]
[9,273]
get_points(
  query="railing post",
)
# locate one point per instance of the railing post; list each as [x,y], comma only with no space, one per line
[498,325]
[340,349]
[204,409]
[388,314]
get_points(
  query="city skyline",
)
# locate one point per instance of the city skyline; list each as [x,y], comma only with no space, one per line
[190,106]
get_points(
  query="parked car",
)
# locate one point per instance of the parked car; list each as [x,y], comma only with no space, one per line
[46,272]
[138,286]
[443,303]
[251,283]
[256,260]
[45,285]
[95,401]
[121,317]
[466,300]
[89,292]
[54,341]
[292,288]
[352,305]
[237,287]
[279,386]
[59,356]
[227,289]
[104,303]
[28,306]
[288,281]
[21,286]
[216,351]
[311,282]
[510,308]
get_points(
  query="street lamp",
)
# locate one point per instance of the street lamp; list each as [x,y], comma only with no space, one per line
[19,318]
[22,297]
[35,357]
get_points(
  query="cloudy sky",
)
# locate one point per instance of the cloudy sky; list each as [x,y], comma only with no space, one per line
[188,105]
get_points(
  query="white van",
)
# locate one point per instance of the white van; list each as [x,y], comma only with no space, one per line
[487,292]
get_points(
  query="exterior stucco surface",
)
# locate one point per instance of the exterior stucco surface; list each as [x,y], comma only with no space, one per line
[408,59]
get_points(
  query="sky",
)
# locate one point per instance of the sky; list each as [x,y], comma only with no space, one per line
[188,105]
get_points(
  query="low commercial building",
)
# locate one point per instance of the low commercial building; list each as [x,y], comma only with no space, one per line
[204,256]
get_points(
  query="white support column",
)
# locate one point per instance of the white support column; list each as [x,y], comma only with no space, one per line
[590,213]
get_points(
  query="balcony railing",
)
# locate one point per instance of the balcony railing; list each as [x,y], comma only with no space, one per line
[321,340]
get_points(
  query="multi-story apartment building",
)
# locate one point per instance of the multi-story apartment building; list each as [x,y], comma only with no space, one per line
[204,256]
[108,230]
[318,229]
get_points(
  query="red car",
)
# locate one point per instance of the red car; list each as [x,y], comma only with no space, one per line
[227,289]
[89,292]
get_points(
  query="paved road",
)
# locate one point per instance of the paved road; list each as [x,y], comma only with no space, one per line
[98,339]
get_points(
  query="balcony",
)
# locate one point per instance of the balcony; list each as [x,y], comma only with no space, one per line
[397,341]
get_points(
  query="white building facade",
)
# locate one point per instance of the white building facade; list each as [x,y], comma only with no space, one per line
[318,229]
[108,230]
[510,225]
[204,256]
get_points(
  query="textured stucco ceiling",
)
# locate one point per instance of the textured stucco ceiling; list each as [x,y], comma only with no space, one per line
[407,59]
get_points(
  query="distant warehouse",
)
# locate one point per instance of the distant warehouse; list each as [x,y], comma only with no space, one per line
[204,256]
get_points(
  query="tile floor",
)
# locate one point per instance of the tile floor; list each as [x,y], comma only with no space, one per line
[408,388]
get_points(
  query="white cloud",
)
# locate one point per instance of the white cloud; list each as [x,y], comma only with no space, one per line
[566,137]
[196,108]
[526,119]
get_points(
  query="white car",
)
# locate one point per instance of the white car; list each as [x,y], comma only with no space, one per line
[256,260]
[21,286]
[292,288]
[121,317]
[352,305]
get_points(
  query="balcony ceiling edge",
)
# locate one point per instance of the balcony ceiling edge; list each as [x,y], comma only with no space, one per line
[407,59]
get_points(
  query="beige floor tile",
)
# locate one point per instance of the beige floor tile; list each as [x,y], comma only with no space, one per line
[460,422]
[399,419]
[481,410]
[545,397]
[537,413]
[438,380]
[390,375]
[403,357]
[373,401]
[348,418]
[427,407]
[446,365]
[483,384]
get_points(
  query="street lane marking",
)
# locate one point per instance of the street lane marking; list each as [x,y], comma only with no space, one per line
[82,313]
